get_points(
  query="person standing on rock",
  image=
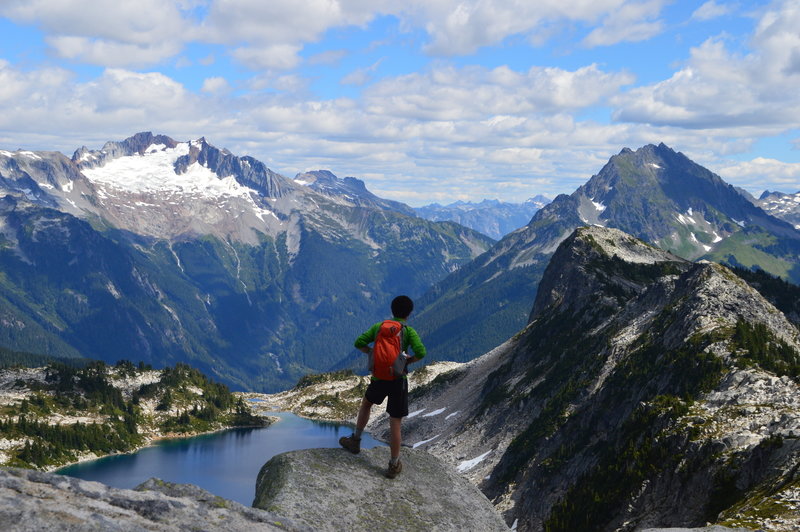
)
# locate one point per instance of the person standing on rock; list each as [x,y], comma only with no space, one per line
[388,366]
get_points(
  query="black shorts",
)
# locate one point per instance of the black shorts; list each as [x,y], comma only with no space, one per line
[397,390]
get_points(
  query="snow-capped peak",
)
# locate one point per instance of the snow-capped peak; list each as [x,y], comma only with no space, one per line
[154,172]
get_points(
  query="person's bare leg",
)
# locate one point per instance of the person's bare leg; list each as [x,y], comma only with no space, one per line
[363,416]
[394,445]
[394,441]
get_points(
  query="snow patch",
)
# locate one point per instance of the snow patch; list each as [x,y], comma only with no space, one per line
[737,222]
[466,465]
[154,172]
[423,442]
[717,238]
[435,412]
[113,289]
[654,165]
[301,182]
[453,414]
[416,413]
[599,206]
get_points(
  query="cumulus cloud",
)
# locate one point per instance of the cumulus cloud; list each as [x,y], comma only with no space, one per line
[458,27]
[475,92]
[112,53]
[50,108]
[762,174]
[216,85]
[717,88]
[632,22]
[711,10]
[270,34]
[279,56]
[106,32]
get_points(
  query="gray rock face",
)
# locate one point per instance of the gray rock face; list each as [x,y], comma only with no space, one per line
[32,500]
[331,489]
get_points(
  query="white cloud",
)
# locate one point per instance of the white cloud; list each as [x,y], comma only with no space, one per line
[632,22]
[720,89]
[711,10]
[111,53]
[761,174]
[216,85]
[451,93]
[279,56]
[106,32]
[459,27]
[270,34]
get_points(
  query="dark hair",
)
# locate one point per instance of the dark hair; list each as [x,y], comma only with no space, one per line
[402,306]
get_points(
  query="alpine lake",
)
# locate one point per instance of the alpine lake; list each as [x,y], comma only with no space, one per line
[225,463]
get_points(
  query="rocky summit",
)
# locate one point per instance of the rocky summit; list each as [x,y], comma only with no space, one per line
[333,490]
[646,391]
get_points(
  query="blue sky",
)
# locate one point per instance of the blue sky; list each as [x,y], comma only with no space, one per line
[434,100]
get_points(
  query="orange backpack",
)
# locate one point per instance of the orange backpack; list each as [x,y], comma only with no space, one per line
[387,348]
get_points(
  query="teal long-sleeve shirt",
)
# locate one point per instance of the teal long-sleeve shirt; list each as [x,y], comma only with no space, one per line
[410,339]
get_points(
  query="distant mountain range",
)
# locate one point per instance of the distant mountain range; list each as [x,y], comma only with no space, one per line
[493,218]
[653,193]
[781,205]
[163,251]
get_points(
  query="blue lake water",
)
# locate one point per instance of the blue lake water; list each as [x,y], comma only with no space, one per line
[224,463]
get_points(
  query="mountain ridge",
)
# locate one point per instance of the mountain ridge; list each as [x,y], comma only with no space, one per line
[646,390]
[159,250]
[653,193]
[493,218]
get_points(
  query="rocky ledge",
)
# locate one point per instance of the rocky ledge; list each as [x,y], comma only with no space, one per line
[331,489]
[34,500]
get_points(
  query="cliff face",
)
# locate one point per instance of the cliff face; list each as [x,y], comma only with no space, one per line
[331,489]
[645,391]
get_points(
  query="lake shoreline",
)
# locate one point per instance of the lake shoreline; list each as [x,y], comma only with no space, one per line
[225,463]
[155,440]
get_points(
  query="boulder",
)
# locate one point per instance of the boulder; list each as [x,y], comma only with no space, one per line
[332,489]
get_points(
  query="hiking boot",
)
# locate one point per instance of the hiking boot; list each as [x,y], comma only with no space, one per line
[351,443]
[394,469]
